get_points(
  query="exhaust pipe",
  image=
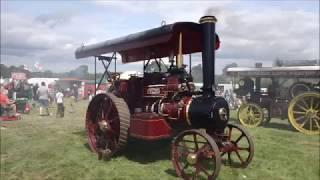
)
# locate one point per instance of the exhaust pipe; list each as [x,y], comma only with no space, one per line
[208,54]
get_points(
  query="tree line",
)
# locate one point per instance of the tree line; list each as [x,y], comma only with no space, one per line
[82,72]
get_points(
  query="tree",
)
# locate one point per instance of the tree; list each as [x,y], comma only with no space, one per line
[5,71]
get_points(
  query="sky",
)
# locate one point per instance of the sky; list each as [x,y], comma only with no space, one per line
[48,32]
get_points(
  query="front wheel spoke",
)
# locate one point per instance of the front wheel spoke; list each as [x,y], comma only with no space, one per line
[240,158]
[257,115]
[298,112]
[317,123]
[310,123]
[300,118]
[203,169]
[195,141]
[302,125]
[311,102]
[185,166]
[317,106]
[301,107]
[229,136]
[223,153]
[242,148]
[186,147]
[304,103]
[239,138]
[229,157]
[195,175]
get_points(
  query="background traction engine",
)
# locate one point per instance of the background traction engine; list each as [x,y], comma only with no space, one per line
[163,105]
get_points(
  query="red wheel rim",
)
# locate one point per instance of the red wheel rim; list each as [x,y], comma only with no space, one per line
[102,124]
[195,155]
[241,151]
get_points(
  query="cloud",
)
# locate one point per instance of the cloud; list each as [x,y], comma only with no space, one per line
[49,39]
[54,19]
[22,36]
[246,36]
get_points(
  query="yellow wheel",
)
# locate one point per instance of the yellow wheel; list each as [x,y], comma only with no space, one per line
[250,115]
[304,113]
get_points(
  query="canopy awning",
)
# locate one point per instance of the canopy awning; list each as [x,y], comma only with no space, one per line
[154,43]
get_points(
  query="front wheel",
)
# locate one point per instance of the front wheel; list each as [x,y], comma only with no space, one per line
[242,151]
[195,155]
[250,115]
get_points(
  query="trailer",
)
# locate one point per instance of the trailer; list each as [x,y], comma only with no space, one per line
[292,92]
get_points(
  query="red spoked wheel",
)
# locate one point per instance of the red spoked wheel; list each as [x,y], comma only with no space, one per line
[195,155]
[107,123]
[238,146]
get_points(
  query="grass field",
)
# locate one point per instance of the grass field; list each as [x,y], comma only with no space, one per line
[39,148]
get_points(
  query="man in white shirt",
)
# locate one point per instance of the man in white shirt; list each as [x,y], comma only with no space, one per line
[60,106]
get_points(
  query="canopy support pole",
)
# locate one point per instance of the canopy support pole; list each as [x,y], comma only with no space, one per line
[103,59]
[95,75]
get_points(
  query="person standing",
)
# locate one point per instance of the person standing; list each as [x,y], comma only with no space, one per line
[60,106]
[35,90]
[43,95]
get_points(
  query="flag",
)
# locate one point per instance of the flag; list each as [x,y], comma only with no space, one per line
[38,66]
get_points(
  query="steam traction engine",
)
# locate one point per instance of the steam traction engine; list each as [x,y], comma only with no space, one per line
[164,104]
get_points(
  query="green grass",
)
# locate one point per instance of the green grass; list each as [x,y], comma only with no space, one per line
[52,148]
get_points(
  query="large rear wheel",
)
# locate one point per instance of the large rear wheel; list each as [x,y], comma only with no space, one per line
[304,113]
[107,123]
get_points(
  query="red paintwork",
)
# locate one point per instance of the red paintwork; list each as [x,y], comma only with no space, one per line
[9,118]
[123,87]
[173,83]
[149,126]
[164,45]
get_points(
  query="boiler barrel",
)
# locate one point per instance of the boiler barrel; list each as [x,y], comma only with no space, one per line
[210,113]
